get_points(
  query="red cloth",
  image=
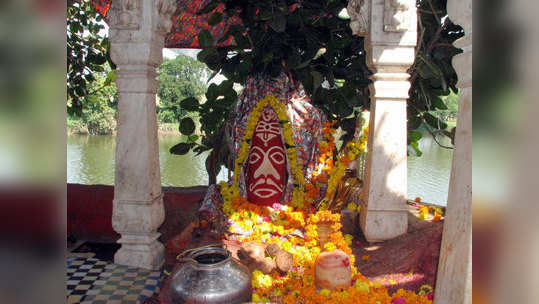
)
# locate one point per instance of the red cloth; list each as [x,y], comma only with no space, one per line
[186,24]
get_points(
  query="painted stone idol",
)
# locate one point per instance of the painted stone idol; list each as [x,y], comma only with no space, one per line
[266,161]
[267,174]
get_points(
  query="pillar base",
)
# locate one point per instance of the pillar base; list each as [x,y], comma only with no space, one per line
[382,225]
[140,251]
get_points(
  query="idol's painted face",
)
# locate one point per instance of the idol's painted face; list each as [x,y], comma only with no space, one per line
[267,161]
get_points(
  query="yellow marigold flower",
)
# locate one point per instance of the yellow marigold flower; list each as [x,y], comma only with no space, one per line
[424,289]
[348,238]
[336,226]
[362,286]
[358,208]
[352,206]
[286,245]
[261,280]
[329,246]
[325,292]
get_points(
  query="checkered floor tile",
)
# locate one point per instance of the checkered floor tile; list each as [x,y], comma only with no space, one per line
[90,280]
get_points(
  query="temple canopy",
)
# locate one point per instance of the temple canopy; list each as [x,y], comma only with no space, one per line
[186,24]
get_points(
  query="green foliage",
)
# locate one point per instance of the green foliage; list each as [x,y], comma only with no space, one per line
[451,102]
[309,41]
[432,74]
[75,125]
[180,149]
[166,116]
[313,42]
[179,79]
[187,126]
[87,52]
[100,107]
[99,113]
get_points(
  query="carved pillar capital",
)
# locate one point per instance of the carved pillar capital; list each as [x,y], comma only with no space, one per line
[398,15]
[165,10]
[358,10]
[135,20]
[137,30]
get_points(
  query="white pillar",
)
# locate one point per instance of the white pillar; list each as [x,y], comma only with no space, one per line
[454,281]
[137,29]
[391,29]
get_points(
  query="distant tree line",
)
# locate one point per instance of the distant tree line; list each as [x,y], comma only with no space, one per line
[178,78]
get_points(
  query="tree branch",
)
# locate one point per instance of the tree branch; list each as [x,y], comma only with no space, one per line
[431,132]
[434,12]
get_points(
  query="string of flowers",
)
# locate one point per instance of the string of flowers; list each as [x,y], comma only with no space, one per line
[352,150]
[279,224]
[291,151]
[325,163]
[295,229]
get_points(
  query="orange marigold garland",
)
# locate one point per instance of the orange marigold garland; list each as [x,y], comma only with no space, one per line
[296,231]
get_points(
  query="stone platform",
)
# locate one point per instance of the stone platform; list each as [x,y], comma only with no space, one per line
[407,262]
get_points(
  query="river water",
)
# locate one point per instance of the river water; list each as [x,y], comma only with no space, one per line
[90,160]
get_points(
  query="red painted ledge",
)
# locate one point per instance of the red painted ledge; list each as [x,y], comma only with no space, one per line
[89,211]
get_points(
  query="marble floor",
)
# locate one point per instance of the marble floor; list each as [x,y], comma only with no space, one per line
[90,280]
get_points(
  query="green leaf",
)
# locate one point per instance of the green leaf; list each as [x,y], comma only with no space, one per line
[414,136]
[208,8]
[92,98]
[245,67]
[189,104]
[432,66]
[208,55]
[225,86]
[212,93]
[319,53]
[187,126]
[215,18]
[192,138]
[413,122]
[180,149]
[265,14]
[438,103]
[415,146]
[304,64]
[278,23]
[205,39]
[200,149]
[231,96]
[241,40]
[343,110]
